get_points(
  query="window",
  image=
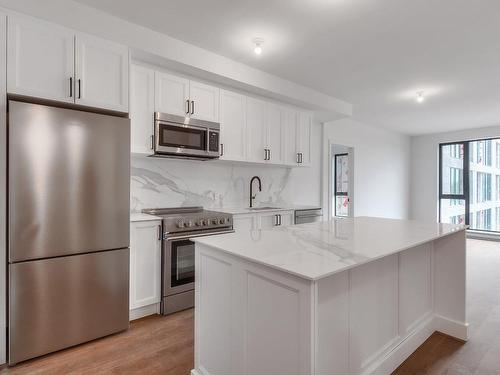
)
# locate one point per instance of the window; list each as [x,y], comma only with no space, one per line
[497,155]
[341,185]
[483,190]
[469,184]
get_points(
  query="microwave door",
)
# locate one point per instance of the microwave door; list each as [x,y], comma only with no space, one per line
[177,139]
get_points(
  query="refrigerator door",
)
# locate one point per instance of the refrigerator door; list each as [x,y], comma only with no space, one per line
[60,302]
[69,181]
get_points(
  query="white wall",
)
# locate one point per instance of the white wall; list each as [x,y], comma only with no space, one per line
[381,167]
[424,168]
[160,182]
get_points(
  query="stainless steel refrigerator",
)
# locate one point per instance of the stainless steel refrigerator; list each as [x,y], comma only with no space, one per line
[68,227]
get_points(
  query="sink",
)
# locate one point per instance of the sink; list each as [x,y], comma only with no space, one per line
[264,208]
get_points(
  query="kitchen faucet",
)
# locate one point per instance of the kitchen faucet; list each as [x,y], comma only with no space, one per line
[252,197]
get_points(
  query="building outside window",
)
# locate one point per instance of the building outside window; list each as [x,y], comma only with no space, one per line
[470,184]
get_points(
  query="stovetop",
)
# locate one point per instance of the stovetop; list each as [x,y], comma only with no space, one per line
[190,219]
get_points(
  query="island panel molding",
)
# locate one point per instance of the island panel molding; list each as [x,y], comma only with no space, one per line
[367,318]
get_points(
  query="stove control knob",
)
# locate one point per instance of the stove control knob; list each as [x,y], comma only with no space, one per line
[200,223]
[180,224]
[189,224]
[215,221]
[222,221]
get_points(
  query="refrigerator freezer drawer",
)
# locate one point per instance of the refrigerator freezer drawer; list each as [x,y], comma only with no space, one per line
[59,302]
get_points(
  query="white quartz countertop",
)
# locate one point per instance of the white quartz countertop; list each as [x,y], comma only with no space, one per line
[247,210]
[317,250]
[135,217]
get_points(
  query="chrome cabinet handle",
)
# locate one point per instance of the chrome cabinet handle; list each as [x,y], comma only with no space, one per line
[159,233]
[298,157]
[276,222]
[268,154]
[70,87]
[152,141]
[265,154]
[222,149]
[192,107]
[279,219]
[79,88]
[187,110]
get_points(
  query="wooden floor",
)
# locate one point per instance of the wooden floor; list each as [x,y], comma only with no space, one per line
[164,345]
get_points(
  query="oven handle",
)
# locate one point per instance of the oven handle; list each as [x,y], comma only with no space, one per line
[187,236]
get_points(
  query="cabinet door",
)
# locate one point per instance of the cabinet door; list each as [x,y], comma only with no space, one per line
[101,73]
[204,101]
[244,223]
[40,59]
[274,133]
[290,117]
[145,263]
[287,218]
[268,220]
[233,125]
[171,94]
[304,138]
[256,129]
[142,107]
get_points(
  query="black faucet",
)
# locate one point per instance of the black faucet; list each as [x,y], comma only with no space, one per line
[252,197]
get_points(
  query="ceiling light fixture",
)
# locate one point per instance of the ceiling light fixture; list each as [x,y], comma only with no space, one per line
[258,45]
[420,96]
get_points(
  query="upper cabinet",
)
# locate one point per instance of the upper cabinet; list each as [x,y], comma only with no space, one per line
[180,96]
[40,59]
[101,73]
[304,129]
[232,125]
[142,107]
[172,94]
[251,129]
[51,62]
[204,101]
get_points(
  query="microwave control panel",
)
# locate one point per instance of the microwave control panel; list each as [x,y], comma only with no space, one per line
[213,141]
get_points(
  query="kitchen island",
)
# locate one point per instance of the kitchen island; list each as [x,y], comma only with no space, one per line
[347,296]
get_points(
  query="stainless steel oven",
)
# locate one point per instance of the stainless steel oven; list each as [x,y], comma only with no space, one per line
[179,226]
[186,137]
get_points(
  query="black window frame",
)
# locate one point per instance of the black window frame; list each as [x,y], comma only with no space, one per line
[465,179]
[335,192]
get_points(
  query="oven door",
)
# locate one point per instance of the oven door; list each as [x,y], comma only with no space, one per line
[173,138]
[178,266]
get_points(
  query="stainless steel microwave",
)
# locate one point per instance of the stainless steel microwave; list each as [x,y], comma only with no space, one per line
[181,136]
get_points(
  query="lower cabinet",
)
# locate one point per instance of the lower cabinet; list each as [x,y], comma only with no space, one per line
[264,220]
[145,268]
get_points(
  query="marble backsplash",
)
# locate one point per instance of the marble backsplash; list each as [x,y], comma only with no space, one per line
[160,182]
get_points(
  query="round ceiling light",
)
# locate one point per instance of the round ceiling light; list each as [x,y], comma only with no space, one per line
[420,97]
[258,45]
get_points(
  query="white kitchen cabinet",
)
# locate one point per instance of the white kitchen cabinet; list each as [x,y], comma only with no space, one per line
[142,107]
[262,220]
[204,100]
[256,112]
[289,125]
[171,94]
[272,219]
[274,133]
[246,222]
[145,267]
[101,73]
[40,59]
[52,62]
[232,125]
[304,138]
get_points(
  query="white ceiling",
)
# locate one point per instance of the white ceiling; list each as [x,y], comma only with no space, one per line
[375,54]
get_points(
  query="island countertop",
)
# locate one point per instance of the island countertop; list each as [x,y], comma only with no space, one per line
[317,250]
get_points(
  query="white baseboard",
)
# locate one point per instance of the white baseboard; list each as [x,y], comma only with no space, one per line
[451,327]
[143,311]
[389,362]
